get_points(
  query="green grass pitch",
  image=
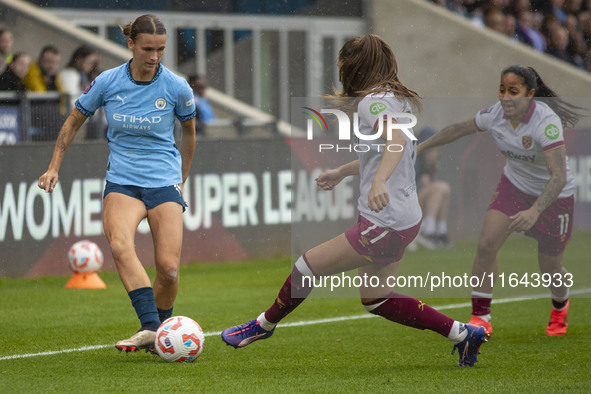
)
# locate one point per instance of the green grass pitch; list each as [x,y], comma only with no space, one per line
[363,354]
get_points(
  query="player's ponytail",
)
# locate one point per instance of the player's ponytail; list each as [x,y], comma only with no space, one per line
[145,24]
[567,112]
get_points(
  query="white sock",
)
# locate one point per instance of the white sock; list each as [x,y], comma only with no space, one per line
[441,228]
[428,227]
[559,298]
[486,317]
[264,323]
[458,332]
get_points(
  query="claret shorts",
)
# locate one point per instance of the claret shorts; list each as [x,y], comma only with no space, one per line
[377,244]
[554,226]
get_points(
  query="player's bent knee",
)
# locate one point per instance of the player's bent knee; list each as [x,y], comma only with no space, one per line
[167,274]
[444,188]
[119,247]
[487,247]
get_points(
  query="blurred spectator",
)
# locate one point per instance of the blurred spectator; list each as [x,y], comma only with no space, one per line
[537,23]
[556,9]
[74,77]
[42,75]
[572,25]
[205,112]
[6,43]
[96,70]
[495,19]
[12,78]
[511,27]
[573,6]
[96,125]
[527,33]
[457,6]
[558,44]
[434,197]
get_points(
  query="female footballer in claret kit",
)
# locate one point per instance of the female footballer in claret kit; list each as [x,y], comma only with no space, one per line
[536,191]
[390,215]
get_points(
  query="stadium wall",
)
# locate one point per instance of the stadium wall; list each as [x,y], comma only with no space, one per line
[247,198]
[441,54]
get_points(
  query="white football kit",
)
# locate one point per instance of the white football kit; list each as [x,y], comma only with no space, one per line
[539,131]
[403,211]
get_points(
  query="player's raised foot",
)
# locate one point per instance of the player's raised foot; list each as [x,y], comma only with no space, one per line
[558,324]
[477,321]
[468,348]
[442,241]
[141,340]
[245,334]
[425,241]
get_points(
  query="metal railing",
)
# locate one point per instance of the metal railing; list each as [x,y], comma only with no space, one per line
[261,60]
[38,117]
[31,117]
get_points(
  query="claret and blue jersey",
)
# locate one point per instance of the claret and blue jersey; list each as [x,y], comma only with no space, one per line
[140,117]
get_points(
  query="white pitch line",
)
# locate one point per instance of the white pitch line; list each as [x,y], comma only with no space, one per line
[306,323]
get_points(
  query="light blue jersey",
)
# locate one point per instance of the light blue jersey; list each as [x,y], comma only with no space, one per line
[140,116]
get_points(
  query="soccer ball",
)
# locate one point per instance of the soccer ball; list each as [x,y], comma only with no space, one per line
[179,339]
[85,256]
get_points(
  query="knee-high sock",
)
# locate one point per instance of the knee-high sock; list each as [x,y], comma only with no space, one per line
[481,303]
[294,291]
[142,300]
[411,312]
[164,314]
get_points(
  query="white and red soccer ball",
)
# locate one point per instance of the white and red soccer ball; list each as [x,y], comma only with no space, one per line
[85,256]
[179,339]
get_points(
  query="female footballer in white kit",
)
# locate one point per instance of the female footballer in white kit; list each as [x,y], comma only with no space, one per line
[146,170]
[390,215]
[536,190]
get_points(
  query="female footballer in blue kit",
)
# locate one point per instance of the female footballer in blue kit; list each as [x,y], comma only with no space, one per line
[145,172]
[390,215]
[536,190]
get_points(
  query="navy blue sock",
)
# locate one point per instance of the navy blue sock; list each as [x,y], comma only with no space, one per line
[142,300]
[164,314]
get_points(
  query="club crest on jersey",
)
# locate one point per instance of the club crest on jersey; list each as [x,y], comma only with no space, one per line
[160,103]
[526,142]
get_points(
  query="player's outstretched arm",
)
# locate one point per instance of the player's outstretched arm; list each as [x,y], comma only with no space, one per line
[187,147]
[49,179]
[330,178]
[449,134]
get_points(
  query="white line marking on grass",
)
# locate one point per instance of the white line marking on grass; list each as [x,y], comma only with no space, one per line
[307,323]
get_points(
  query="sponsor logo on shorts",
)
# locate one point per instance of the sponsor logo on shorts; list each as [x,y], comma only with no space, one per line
[494,197]
[526,142]
[552,131]
[363,241]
